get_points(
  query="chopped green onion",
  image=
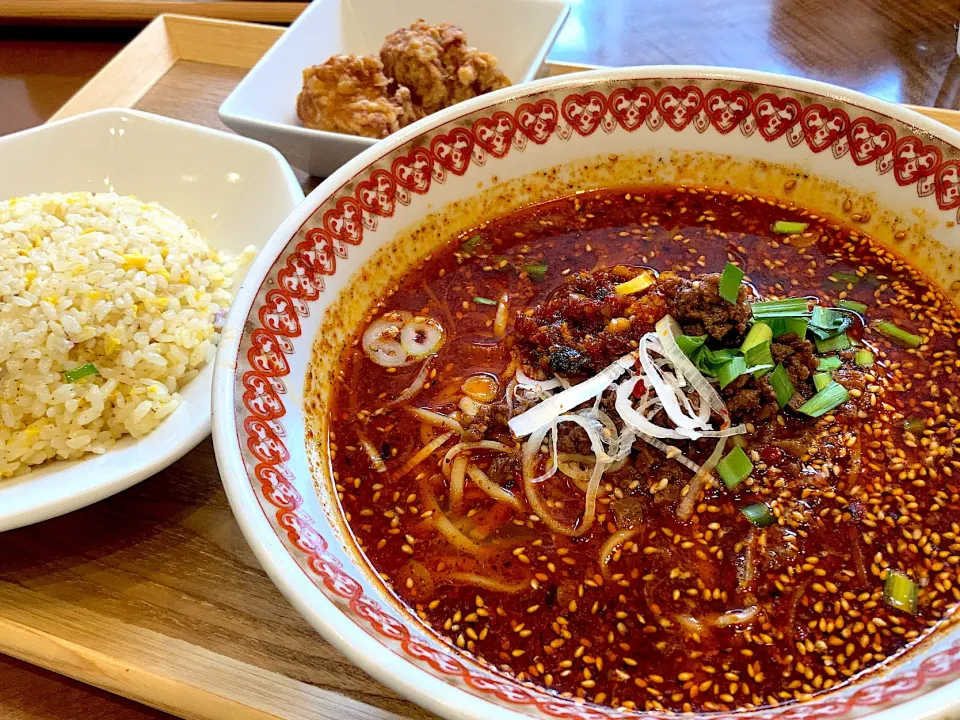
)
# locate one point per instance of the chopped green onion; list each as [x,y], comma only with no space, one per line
[787,325]
[759,358]
[709,361]
[791,307]
[821,380]
[833,344]
[827,322]
[826,318]
[833,395]
[734,468]
[689,344]
[914,425]
[900,592]
[730,283]
[471,244]
[863,358]
[731,370]
[829,363]
[845,277]
[80,372]
[759,514]
[760,333]
[719,357]
[782,385]
[857,307]
[484,301]
[899,335]
[756,349]
[536,272]
[786,227]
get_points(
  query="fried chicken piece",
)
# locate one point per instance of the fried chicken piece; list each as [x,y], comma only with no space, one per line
[438,66]
[350,94]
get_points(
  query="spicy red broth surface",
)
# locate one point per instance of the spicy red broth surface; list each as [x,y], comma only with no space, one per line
[647,610]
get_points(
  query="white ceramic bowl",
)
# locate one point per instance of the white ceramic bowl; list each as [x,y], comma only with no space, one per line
[235,191]
[264,105]
[748,130]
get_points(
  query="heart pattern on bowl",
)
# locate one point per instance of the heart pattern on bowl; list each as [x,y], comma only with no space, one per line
[912,159]
[495,134]
[278,314]
[415,171]
[631,107]
[679,106]
[538,120]
[727,109]
[948,185]
[822,127]
[454,151]
[870,140]
[584,112]
[775,115]
[378,194]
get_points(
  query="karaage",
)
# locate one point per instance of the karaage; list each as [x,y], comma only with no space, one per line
[350,94]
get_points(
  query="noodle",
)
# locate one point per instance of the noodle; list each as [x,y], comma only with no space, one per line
[855,462]
[354,382]
[442,304]
[423,454]
[737,617]
[568,462]
[446,465]
[440,520]
[689,623]
[457,481]
[575,458]
[483,481]
[375,460]
[436,419]
[689,501]
[510,371]
[541,511]
[487,583]
[416,386]
[857,553]
[621,537]
[502,316]
[748,570]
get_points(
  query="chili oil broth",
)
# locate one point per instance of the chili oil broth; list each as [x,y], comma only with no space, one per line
[873,495]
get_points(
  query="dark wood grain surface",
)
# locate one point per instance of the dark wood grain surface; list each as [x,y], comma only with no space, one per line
[899,51]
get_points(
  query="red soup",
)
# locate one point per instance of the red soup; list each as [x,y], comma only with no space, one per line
[660,448]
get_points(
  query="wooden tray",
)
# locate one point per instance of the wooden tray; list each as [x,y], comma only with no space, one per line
[154,593]
[129,11]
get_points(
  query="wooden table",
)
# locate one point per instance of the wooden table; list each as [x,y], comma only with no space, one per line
[899,51]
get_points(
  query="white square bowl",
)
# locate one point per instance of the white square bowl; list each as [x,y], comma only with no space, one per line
[263,106]
[235,191]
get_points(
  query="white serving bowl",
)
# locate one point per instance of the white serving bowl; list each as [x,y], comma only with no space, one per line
[235,191]
[388,208]
[264,105]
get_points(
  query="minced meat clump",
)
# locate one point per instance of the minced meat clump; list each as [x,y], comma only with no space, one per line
[697,306]
[750,398]
[585,325]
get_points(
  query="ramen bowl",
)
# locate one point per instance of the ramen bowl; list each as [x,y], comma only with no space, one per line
[892,172]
